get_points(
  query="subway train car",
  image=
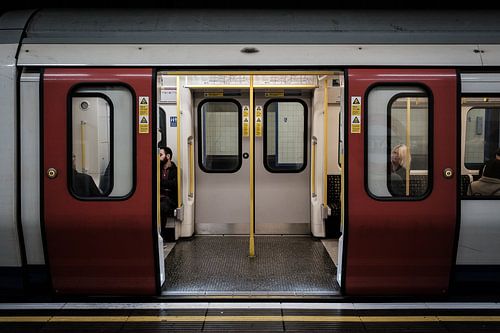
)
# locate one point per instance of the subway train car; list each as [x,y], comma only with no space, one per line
[318,153]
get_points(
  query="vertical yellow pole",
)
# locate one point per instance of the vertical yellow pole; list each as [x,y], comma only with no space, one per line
[82,140]
[252,204]
[313,167]
[179,148]
[408,121]
[158,214]
[325,152]
[191,168]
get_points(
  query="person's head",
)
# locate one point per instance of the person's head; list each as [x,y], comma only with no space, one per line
[492,169]
[165,154]
[400,156]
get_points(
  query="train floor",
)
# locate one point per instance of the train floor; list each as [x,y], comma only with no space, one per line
[220,266]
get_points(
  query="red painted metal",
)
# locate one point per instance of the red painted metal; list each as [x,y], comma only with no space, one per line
[395,247]
[96,247]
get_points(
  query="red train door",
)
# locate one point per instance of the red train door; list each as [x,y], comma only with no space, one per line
[97,188]
[401,181]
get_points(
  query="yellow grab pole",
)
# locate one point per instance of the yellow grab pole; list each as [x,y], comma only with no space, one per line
[179,148]
[325,146]
[191,167]
[252,204]
[313,167]
[82,140]
[408,119]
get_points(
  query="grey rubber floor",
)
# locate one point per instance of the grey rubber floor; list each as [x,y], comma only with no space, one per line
[217,265]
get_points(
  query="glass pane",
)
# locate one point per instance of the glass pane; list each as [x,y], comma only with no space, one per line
[398,142]
[285,144]
[102,142]
[91,149]
[221,145]
[482,137]
[409,146]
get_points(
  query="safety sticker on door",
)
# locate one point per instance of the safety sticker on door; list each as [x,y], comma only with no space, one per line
[143,114]
[355,114]
[246,120]
[258,120]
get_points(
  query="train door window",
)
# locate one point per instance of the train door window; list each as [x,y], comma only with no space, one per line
[101,144]
[482,139]
[220,135]
[285,122]
[398,143]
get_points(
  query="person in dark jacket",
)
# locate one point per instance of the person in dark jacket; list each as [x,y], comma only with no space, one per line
[83,184]
[489,183]
[168,185]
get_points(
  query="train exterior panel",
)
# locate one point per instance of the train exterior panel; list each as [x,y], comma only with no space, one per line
[281,126]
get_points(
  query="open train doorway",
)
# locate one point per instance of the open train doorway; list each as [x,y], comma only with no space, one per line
[258,158]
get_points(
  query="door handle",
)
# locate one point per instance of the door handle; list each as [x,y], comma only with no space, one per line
[448,173]
[52,173]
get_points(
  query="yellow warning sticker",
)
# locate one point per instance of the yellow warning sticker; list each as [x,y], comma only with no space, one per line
[143,114]
[246,120]
[356,105]
[356,114]
[258,120]
[355,124]
[214,94]
[275,94]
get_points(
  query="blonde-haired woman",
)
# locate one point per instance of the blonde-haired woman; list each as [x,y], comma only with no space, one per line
[400,162]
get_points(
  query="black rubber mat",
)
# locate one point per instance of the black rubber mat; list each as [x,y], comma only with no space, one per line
[217,265]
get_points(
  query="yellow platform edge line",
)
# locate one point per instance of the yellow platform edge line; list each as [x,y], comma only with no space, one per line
[366,319]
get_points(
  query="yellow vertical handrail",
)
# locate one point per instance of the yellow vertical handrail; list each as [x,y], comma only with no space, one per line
[82,143]
[313,166]
[408,119]
[158,185]
[252,180]
[325,146]
[179,148]
[191,167]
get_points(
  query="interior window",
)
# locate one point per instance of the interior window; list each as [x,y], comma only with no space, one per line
[285,125]
[220,137]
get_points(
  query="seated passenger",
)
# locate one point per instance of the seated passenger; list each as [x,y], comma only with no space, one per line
[83,184]
[489,183]
[168,185]
[105,181]
[400,161]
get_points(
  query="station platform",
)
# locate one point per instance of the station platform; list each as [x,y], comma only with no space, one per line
[249,317]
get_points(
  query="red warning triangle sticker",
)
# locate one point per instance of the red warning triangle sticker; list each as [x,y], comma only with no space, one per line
[144,101]
[356,120]
[356,101]
[144,120]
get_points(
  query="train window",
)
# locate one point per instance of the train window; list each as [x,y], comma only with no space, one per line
[285,123]
[219,123]
[398,143]
[482,137]
[101,144]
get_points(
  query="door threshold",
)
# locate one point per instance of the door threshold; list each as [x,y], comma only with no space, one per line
[250,294]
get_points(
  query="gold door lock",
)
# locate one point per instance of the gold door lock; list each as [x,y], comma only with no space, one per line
[51,173]
[448,173]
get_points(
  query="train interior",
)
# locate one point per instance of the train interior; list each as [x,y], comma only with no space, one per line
[259,182]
